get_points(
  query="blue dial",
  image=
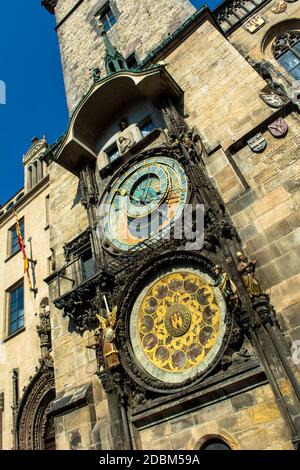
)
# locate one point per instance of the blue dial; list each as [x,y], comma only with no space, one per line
[143,202]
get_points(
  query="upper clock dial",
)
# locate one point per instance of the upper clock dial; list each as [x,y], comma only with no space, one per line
[143,201]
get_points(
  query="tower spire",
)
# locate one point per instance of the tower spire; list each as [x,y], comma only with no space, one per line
[114,61]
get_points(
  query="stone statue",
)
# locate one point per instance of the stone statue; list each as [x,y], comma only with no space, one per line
[123,125]
[189,140]
[125,140]
[239,357]
[108,327]
[226,286]
[96,74]
[124,144]
[174,142]
[246,268]
[263,70]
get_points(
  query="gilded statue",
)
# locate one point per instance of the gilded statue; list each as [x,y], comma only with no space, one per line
[246,268]
[108,328]
[189,139]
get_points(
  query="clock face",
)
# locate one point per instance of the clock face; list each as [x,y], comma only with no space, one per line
[144,201]
[177,325]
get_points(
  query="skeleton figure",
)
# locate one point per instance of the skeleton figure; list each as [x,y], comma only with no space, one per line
[108,328]
[226,286]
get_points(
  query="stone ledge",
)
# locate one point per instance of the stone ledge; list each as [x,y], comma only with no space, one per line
[215,389]
[80,397]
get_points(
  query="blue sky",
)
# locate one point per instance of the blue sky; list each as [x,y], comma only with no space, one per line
[35,100]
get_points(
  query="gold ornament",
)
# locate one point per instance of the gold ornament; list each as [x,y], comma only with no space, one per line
[280,7]
[246,268]
[178,322]
[108,327]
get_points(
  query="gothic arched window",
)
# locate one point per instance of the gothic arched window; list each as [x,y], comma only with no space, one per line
[286,50]
[215,444]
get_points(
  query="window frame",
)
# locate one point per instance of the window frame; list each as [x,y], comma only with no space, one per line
[287,48]
[103,16]
[9,292]
[109,149]
[143,123]
[132,55]
[11,232]
[87,257]
[47,211]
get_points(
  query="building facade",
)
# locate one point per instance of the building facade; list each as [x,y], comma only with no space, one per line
[144,332]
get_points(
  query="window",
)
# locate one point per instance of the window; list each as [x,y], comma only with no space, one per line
[286,50]
[29,177]
[106,17]
[14,244]
[47,211]
[49,265]
[146,126]
[112,152]
[16,309]
[131,61]
[87,264]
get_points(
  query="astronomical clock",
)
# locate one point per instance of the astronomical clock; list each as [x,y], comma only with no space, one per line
[176,325]
[143,200]
[173,324]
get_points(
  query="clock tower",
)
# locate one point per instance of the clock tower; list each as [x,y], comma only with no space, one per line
[136,27]
[160,319]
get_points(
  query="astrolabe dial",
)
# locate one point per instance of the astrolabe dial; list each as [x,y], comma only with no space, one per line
[177,325]
[143,202]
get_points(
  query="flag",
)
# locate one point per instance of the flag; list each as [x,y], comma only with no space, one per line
[22,248]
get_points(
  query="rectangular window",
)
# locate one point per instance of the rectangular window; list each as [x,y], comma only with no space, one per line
[47,209]
[87,264]
[106,17]
[131,61]
[291,63]
[112,152]
[16,309]
[146,126]
[13,238]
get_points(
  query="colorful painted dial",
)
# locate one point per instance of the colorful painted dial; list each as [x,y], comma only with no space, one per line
[177,325]
[143,202]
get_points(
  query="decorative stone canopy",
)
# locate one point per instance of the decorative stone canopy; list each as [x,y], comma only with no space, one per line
[49,5]
[114,61]
[100,105]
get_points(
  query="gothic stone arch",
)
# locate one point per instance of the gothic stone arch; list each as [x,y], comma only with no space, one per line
[33,412]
